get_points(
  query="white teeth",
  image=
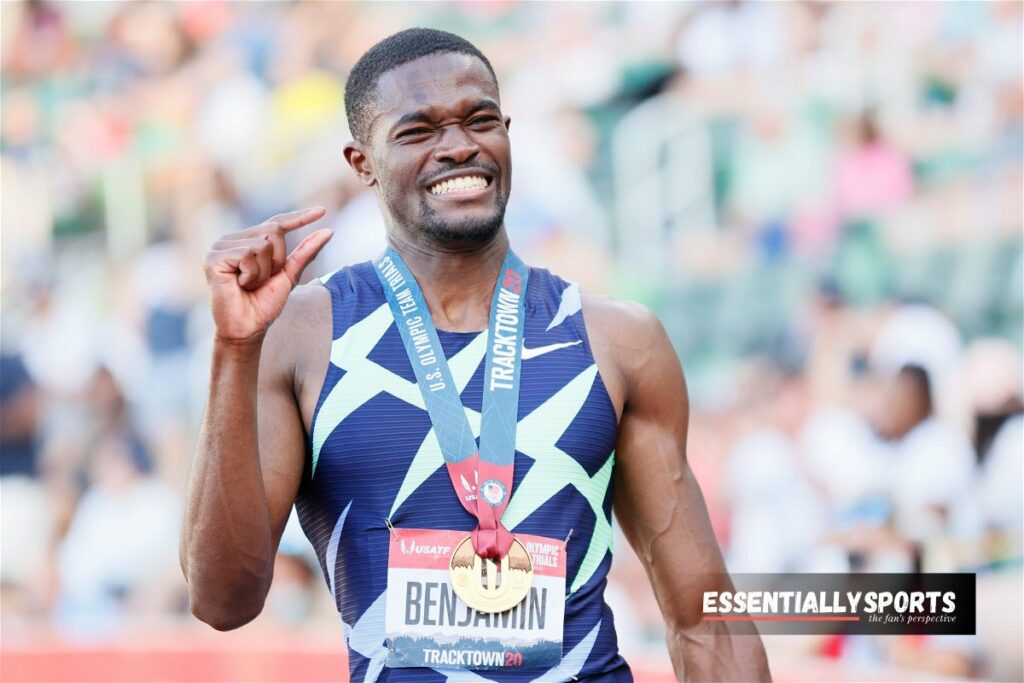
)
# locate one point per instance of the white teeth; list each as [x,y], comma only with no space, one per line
[459,184]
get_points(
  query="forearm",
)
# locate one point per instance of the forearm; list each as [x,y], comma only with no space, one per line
[700,650]
[666,520]
[718,651]
[227,541]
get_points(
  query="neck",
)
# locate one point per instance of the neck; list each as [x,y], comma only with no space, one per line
[457,280]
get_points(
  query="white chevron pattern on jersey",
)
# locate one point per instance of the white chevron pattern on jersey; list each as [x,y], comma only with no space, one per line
[570,304]
[536,436]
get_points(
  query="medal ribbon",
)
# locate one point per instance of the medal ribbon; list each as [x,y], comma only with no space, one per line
[482,477]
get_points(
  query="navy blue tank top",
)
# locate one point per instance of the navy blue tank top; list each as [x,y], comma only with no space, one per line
[374,457]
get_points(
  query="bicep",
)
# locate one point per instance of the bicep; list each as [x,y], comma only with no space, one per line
[658,503]
[282,437]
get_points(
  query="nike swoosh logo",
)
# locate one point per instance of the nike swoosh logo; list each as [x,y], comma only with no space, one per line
[541,350]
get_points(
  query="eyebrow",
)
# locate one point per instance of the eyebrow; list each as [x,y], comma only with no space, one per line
[422,117]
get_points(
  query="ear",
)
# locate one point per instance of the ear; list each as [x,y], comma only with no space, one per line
[360,163]
[508,122]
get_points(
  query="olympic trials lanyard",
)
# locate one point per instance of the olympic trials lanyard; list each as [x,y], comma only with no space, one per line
[482,478]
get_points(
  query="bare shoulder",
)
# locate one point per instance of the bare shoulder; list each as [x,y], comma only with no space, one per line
[627,339]
[618,317]
[308,304]
[308,308]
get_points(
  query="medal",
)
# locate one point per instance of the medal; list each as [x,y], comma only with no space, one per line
[491,586]
[490,570]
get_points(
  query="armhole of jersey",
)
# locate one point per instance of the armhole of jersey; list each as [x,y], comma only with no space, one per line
[321,394]
[581,328]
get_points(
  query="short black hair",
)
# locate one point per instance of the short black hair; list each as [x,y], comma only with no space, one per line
[918,376]
[390,53]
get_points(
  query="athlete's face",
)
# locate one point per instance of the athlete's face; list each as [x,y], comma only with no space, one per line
[440,149]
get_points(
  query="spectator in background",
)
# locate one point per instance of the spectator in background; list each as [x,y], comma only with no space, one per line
[777,514]
[27,523]
[115,557]
[920,335]
[42,42]
[992,379]
[931,464]
[999,490]
[871,174]
[19,417]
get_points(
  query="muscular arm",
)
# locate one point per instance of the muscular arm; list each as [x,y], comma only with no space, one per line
[246,473]
[249,458]
[657,500]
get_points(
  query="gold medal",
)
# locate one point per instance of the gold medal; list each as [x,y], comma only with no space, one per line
[489,586]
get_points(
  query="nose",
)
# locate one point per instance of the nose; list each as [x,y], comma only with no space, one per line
[455,145]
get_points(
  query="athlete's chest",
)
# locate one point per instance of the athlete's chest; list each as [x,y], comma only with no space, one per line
[370,352]
[370,408]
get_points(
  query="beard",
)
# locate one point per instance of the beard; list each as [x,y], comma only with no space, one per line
[426,222]
[471,230]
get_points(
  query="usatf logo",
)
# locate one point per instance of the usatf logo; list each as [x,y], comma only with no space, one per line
[414,548]
[493,491]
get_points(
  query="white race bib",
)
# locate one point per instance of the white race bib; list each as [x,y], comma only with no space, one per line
[427,625]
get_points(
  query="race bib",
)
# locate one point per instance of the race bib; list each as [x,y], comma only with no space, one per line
[428,625]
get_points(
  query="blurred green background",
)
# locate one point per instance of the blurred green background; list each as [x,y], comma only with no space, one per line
[812,196]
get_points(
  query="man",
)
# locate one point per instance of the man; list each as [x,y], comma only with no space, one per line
[930,467]
[349,431]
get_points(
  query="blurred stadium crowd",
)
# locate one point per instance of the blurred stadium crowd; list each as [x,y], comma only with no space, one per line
[822,201]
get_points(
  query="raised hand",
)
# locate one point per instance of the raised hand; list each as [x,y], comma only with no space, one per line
[250,274]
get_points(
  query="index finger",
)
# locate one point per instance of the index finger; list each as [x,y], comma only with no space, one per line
[296,219]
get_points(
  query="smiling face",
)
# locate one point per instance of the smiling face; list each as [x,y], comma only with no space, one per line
[439,150]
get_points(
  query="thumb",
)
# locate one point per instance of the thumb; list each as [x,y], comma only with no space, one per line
[304,253]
